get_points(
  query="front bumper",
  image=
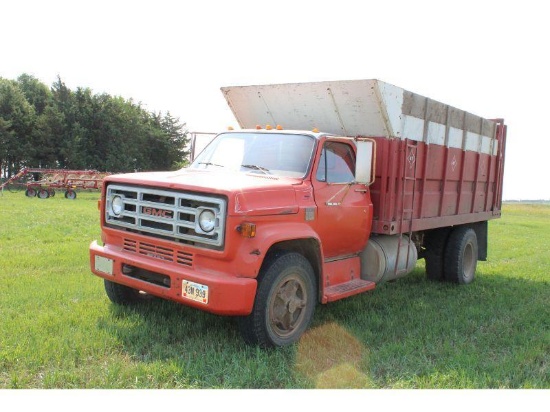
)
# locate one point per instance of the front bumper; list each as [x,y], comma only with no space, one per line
[227,295]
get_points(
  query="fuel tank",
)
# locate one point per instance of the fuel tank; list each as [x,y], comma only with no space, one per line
[379,258]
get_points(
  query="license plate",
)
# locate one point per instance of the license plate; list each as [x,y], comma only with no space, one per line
[194,291]
[104,265]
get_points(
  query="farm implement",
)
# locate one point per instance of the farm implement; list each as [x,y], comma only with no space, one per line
[43,183]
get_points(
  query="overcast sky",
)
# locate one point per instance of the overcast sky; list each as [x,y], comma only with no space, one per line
[486,57]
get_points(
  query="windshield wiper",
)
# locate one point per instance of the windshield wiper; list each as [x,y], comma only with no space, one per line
[256,167]
[210,164]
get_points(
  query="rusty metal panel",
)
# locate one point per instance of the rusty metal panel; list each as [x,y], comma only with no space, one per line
[451,185]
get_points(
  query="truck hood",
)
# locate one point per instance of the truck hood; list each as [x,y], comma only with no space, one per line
[247,193]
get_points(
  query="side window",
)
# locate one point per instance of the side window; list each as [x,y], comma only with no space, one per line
[337,163]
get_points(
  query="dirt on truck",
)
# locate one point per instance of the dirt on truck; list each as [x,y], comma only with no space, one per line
[328,189]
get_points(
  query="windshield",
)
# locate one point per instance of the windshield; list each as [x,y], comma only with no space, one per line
[264,153]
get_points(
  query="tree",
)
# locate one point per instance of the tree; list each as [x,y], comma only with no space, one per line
[6,136]
[61,128]
[66,147]
[177,136]
[50,127]
[18,118]
[48,124]
[36,93]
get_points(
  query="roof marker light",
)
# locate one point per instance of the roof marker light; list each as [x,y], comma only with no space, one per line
[268,127]
[279,127]
[315,130]
[258,127]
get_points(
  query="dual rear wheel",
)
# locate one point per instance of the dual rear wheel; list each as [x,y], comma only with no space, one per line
[452,254]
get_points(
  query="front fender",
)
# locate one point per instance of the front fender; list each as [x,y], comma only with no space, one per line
[253,251]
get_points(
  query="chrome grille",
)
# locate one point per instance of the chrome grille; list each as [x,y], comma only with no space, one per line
[167,214]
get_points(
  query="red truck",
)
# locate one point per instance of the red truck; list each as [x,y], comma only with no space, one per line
[269,221]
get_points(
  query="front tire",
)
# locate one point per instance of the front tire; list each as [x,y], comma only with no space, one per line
[461,255]
[123,295]
[285,302]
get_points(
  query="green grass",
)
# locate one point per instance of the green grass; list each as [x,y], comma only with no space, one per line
[58,329]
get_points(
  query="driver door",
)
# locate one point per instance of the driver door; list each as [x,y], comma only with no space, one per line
[343,206]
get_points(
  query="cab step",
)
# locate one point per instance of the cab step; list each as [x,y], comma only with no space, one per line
[343,290]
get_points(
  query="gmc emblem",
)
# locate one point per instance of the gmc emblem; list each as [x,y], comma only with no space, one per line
[151,211]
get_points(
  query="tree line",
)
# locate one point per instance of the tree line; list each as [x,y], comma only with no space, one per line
[58,128]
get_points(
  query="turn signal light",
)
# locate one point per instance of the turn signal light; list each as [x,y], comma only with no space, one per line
[247,229]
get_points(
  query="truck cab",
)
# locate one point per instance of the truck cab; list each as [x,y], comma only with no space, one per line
[255,204]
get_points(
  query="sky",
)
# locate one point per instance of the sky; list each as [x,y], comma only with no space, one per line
[487,57]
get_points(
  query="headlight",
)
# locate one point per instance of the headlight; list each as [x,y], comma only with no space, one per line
[117,205]
[207,220]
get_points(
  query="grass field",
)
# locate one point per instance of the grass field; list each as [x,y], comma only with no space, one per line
[58,329]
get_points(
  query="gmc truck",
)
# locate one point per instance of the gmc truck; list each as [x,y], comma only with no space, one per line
[325,191]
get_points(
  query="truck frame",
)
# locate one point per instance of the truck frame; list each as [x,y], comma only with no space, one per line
[267,221]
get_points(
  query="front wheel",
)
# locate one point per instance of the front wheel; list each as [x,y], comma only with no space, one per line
[124,295]
[285,302]
[461,255]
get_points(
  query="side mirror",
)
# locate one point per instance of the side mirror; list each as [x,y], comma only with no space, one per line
[365,164]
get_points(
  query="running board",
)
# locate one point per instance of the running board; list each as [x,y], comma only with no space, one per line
[343,290]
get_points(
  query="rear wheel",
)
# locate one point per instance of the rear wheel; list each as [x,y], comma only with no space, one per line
[285,302]
[461,255]
[435,242]
[124,295]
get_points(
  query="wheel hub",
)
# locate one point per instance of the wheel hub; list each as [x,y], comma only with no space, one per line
[287,307]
